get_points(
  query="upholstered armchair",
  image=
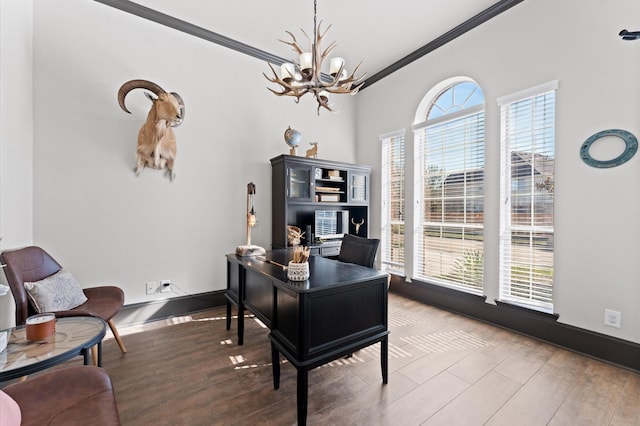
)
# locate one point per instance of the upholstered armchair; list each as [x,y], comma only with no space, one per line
[79,395]
[33,265]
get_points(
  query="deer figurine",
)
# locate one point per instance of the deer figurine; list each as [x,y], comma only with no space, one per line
[312,152]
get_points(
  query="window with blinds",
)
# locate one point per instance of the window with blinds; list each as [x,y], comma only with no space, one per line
[527,193]
[450,177]
[393,196]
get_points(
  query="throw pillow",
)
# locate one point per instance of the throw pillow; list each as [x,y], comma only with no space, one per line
[58,292]
[9,411]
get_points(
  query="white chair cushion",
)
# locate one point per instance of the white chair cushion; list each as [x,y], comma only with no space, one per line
[58,292]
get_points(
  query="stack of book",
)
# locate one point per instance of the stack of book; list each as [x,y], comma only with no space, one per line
[329,197]
[335,175]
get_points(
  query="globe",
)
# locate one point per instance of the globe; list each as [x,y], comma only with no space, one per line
[292,137]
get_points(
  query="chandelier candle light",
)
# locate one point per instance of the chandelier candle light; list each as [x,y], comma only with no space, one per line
[298,79]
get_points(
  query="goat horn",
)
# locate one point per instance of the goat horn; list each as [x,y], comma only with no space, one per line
[137,84]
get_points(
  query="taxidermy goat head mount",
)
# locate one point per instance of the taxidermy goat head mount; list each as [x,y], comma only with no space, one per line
[156,140]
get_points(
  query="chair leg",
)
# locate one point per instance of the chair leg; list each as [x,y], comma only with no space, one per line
[94,354]
[114,330]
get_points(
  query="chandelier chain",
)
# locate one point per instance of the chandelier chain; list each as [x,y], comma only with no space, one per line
[315,25]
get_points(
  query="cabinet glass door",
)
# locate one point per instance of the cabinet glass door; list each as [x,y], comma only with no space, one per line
[300,183]
[359,189]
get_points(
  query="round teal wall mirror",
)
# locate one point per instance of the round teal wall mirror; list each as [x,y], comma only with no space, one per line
[630,148]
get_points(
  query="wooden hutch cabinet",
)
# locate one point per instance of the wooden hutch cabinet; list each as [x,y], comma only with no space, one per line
[325,199]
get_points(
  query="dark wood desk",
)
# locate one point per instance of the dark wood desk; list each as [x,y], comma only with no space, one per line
[340,309]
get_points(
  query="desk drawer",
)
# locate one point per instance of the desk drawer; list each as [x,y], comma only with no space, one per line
[258,297]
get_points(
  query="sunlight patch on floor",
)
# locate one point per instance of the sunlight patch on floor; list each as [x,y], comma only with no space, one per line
[398,352]
[260,323]
[153,325]
[212,319]
[394,351]
[236,359]
[400,317]
[244,367]
[445,341]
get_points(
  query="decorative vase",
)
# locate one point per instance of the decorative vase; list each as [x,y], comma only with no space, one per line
[298,271]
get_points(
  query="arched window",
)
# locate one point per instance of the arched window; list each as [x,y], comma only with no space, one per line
[449,156]
[456,98]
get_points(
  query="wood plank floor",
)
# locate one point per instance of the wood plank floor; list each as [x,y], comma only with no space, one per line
[444,369]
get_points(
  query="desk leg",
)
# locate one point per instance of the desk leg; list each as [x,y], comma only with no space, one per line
[275,366]
[85,354]
[240,321]
[240,324]
[100,353]
[303,384]
[384,359]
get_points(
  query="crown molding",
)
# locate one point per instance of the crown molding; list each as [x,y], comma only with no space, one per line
[196,31]
[466,26]
[189,28]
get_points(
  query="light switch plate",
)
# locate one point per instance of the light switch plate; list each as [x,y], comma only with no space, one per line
[612,318]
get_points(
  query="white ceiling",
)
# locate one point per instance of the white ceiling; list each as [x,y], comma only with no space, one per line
[376,32]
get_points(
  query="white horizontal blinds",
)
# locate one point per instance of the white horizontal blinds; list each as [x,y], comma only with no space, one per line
[527,190]
[393,197]
[449,243]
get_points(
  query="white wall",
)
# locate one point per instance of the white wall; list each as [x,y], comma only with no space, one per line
[92,213]
[597,210]
[16,133]
[108,226]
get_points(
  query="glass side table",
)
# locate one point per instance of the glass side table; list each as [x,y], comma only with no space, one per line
[73,336]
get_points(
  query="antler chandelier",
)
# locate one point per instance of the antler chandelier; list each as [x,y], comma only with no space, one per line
[298,79]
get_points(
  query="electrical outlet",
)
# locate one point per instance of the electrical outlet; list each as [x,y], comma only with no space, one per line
[165,286]
[152,287]
[612,318]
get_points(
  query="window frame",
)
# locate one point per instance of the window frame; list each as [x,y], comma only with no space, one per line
[507,228]
[419,129]
[386,222]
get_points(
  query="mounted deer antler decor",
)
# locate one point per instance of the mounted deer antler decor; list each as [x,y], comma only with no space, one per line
[306,77]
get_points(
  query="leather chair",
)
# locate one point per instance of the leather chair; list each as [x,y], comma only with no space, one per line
[358,250]
[30,264]
[79,395]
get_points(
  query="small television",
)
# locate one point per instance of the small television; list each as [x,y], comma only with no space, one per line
[331,224]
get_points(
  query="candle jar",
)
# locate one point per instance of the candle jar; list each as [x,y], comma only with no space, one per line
[40,326]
